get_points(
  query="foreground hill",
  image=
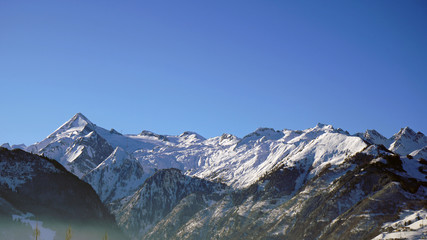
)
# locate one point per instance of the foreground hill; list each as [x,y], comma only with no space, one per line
[37,188]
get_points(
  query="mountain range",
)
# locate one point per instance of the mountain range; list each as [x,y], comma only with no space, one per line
[317,183]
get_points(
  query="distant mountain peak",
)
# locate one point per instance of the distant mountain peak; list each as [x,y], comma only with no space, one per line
[408,130]
[191,135]
[261,133]
[227,136]
[372,133]
[408,133]
[79,114]
[264,129]
[186,133]
[373,137]
[324,126]
[147,133]
[7,146]
[407,141]
[77,121]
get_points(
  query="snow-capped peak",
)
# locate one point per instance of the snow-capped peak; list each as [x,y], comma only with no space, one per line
[372,136]
[6,145]
[76,127]
[261,134]
[78,120]
[407,141]
[146,133]
[323,126]
[189,133]
[190,137]
[270,133]
[227,137]
[403,142]
[264,131]
[15,146]
[405,132]
[373,133]
[409,134]
[19,146]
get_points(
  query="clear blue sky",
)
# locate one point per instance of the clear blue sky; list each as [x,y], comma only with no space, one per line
[212,66]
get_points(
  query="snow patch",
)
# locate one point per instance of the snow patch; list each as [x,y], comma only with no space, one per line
[411,225]
[45,233]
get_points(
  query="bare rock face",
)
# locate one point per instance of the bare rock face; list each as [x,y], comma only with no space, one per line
[159,195]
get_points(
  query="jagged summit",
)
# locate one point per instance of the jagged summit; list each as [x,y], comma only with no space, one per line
[260,134]
[6,145]
[373,137]
[373,132]
[80,115]
[406,141]
[77,122]
[403,142]
[324,126]
[265,130]
[269,133]
[405,132]
[189,133]
[146,133]
[408,133]
[190,137]
[227,136]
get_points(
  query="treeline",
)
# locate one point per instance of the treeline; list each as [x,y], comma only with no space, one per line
[68,234]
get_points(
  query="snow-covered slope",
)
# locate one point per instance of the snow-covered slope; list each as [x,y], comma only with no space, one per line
[118,176]
[419,153]
[240,162]
[411,225]
[244,162]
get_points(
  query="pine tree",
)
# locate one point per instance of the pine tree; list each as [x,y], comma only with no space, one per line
[68,234]
[37,231]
